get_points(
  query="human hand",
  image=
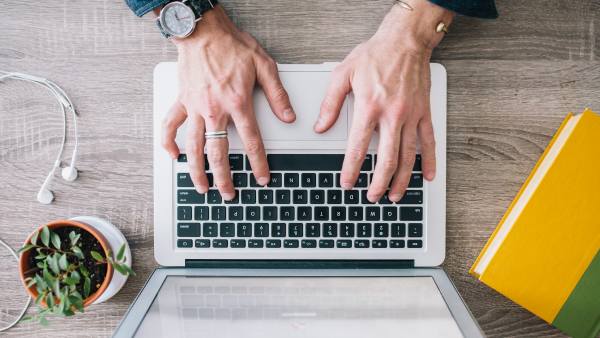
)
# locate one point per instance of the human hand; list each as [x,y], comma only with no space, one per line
[218,66]
[389,76]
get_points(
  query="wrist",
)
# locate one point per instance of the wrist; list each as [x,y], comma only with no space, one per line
[214,23]
[415,27]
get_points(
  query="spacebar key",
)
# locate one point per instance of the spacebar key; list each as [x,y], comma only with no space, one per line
[310,162]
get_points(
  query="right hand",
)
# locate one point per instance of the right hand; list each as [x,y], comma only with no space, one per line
[218,66]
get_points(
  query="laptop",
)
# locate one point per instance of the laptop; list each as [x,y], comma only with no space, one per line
[299,257]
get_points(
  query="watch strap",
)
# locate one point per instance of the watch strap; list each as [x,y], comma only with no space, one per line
[202,6]
[162,31]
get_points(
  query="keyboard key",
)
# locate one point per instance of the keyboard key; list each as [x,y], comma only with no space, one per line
[361,181]
[236,213]
[338,184]
[334,196]
[385,199]
[252,213]
[238,243]
[291,243]
[201,213]
[321,213]
[329,230]
[373,213]
[276,180]
[209,178]
[189,197]
[269,213]
[411,213]
[290,180]
[326,243]
[273,243]
[415,243]
[417,166]
[218,213]
[184,243]
[202,243]
[236,162]
[363,230]
[313,230]
[379,243]
[397,243]
[304,213]
[338,213]
[244,230]
[390,213]
[248,196]
[416,181]
[240,180]
[287,213]
[300,196]
[282,197]
[188,230]
[295,230]
[364,199]
[398,229]
[381,230]
[227,230]
[309,243]
[325,180]
[344,243]
[361,243]
[351,196]
[220,243]
[347,230]
[309,180]
[256,243]
[415,230]
[182,158]
[184,180]
[236,198]
[412,197]
[355,213]
[305,162]
[213,197]
[278,230]
[261,230]
[265,196]
[317,196]
[209,230]
[184,213]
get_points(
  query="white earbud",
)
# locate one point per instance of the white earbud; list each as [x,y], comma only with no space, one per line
[45,196]
[69,173]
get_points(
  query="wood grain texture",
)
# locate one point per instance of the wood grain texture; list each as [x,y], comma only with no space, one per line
[511,81]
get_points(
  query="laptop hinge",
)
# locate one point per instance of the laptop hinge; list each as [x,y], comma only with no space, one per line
[299,264]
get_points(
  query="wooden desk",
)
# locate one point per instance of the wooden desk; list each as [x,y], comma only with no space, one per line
[511,82]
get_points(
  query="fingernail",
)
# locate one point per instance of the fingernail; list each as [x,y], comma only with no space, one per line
[263,181]
[372,199]
[429,175]
[394,197]
[347,185]
[228,196]
[201,189]
[289,114]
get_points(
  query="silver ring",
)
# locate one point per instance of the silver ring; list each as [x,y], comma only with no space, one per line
[215,134]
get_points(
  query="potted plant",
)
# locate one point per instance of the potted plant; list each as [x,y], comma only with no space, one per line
[67,265]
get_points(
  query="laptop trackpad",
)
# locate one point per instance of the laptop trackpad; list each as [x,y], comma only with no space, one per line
[306,91]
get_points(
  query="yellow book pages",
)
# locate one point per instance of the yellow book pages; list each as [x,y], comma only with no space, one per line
[556,236]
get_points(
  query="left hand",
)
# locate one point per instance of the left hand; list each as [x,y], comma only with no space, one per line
[389,75]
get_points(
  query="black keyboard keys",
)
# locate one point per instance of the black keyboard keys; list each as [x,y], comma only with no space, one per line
[253,213]
[304,213]
[415,230]
[188,229]
[282,196]
[256,243]
[291,180]
[347,230]
[238,243]
[201,213]
[184,213]
[334,196]
[184,243]
[278,230]
[398,229]
[227,230]
[209,230]
[265,196]
[330,229]
[381,230]
[313,230]
[411,213]
[326,243]
[295,230]
[300,196]
[276,180]
[309,180]
[363,230]
[248,196]
[309,243]
[273,243]
[261,230]
[213,197]
[240,180]
[291,243]
[325,180]
[244,229]
[317,196]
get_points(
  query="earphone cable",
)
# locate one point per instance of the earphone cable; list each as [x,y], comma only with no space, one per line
[22,313]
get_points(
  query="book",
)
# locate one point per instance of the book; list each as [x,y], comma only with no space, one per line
[544,253]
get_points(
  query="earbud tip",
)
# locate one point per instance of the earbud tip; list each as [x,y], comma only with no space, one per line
[45,196]
[69,173]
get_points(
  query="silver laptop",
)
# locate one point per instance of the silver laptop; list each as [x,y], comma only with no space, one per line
[299,257]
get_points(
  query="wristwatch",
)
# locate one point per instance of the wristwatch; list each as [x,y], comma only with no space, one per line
[178,19]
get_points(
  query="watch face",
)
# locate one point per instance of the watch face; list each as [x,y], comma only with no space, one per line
[177,19]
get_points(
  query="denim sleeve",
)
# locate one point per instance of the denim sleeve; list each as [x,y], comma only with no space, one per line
[478,8]
[141,7]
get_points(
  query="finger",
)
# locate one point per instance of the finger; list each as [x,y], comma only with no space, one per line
[268,78]
[427,141]
[408,149]
[338,88]
[387,159]
[194,148]
[247,129]
[218,155]
[174,119]
[362,128]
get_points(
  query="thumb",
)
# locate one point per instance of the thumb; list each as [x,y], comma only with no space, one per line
[268,78]
[338,88]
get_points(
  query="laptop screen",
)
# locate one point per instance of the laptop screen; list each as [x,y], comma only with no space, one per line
[298,307]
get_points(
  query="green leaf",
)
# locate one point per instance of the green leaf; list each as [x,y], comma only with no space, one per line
[48,278]
[26,247]
[30,283]
[74,237]
[34,237]
[43,321]
[53,263]
[84,271]
[121,252]
[120,268]
[40,257]
[63,263]
[45,236]
[87,285]
[55,240]
[128,269]
[97,256]
[39,281]
[40,265]
[75,275]
[50,300]
[69,281]
[77,251]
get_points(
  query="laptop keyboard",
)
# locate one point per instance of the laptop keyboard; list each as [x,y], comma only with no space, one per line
[302,207]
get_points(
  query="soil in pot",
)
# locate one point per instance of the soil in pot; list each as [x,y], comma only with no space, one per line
[87,243]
